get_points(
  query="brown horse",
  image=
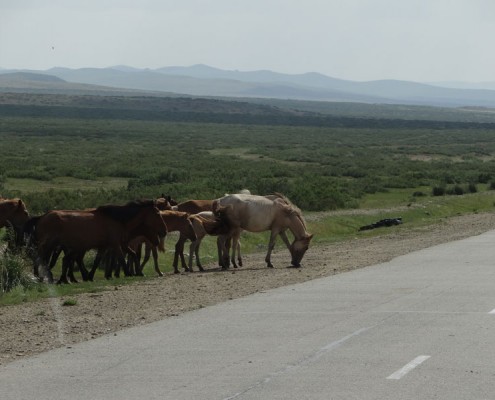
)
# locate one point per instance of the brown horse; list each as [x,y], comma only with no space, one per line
[176,221]
[13,213]
[208,223]
[162,203]
[194,206]
[106,227]
[204,206]
[273,213]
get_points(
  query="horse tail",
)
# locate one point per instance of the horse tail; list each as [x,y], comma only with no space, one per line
[29,228]
[161,245]
[216,226]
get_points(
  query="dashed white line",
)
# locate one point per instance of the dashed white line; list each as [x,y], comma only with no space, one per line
[492,312]
[408,367]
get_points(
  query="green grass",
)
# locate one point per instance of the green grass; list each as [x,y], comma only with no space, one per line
[26,185]
[327,228]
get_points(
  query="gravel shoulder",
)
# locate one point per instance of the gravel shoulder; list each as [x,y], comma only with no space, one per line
[31,328]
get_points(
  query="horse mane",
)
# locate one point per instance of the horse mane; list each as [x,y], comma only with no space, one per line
[126,212]
[289,207]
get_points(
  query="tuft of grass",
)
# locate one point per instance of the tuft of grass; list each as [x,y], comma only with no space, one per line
[69,302]
[14,273]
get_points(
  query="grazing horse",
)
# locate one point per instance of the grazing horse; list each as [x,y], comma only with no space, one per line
[106,227]
[13,212]
[273,213]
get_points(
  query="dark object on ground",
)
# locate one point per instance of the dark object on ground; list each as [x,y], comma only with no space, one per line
[382,222]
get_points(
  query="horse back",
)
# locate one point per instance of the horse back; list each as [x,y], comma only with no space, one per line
[250,212]
[195,206]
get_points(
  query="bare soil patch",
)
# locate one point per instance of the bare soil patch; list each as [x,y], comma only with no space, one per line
[31,328]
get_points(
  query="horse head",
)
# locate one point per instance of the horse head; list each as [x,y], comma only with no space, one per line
[15,211]
[163,204]
[152,225]
[298,249]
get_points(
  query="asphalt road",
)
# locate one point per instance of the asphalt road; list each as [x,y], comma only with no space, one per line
[418,327]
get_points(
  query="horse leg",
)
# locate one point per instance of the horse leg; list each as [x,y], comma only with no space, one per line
[194,252]
[175,263]
[66,261]
[121,260]
[96,264]
[223,251]
[155,261]
[271,245]
[85,274]
[70,272]
[235,246]
[239,258]
[192,248]
[147,251]
[179,252]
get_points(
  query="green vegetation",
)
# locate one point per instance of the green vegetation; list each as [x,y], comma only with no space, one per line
[69,302]
[78,151]
[67,163]
[14,273]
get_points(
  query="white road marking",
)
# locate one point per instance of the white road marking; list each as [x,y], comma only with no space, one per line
[492,312]
[408,367]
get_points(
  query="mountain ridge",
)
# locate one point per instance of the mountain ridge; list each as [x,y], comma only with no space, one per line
[203,80]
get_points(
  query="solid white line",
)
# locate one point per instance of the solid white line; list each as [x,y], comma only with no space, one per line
[408,367]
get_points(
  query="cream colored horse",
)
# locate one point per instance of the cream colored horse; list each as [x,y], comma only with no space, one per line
[273,213]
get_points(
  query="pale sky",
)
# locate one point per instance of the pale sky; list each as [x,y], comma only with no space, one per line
[416,40]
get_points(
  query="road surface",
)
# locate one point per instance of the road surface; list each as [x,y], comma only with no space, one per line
[419,327]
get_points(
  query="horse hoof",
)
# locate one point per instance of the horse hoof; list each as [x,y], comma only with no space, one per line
[269,265]
[176,271]
[201,269]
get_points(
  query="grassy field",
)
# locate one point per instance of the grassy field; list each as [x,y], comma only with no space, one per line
[78,159]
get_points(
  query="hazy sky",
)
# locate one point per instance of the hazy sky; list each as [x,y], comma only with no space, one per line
[418,40]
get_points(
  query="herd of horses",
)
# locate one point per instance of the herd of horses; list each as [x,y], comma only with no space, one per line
[119,233]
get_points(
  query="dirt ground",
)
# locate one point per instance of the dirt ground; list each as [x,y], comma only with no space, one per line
[31,328]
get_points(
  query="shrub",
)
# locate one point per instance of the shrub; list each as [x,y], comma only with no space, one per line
[455,190]
[14,272]
[438,191]
[472,188]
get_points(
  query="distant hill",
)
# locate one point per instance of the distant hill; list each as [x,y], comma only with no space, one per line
[206,81]
[42,82]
